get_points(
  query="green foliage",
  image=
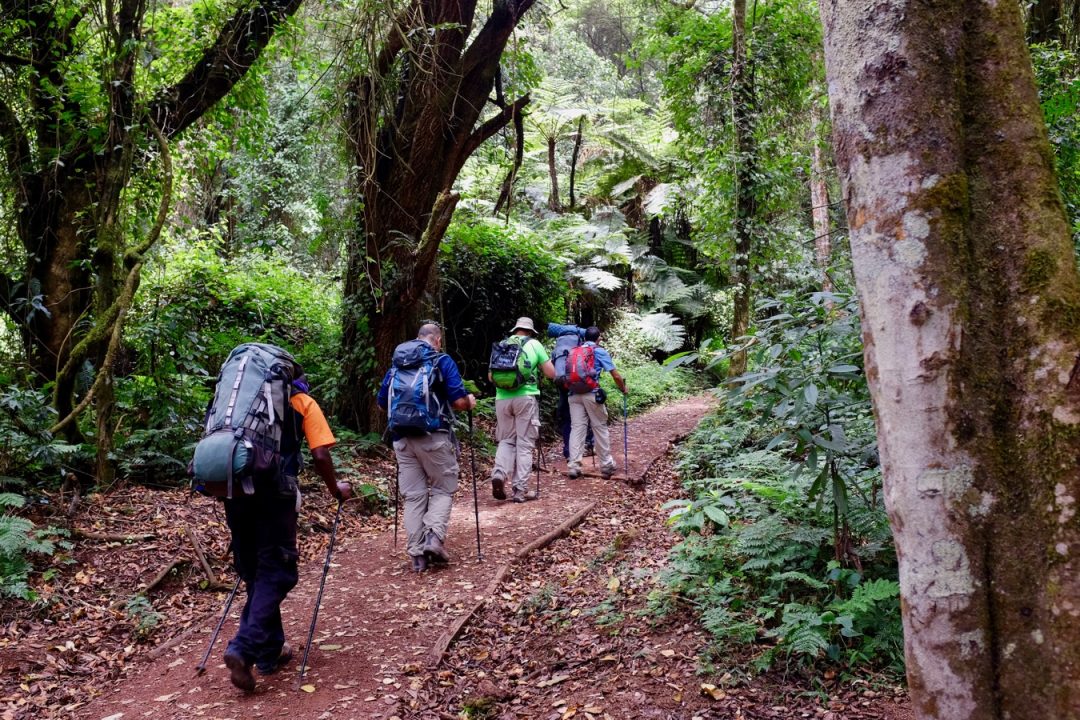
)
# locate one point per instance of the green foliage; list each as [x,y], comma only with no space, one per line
[490,275]
[142,613]
[191,311]
[27,450]
[649,383]
[787,544]
[20,541]
[695,56]
[1057,74]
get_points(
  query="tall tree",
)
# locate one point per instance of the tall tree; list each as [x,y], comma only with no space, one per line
[413,119]
[745,151]
[819,198]
[80,103]
[970,297]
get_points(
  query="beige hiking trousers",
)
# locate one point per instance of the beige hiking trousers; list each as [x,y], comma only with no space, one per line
[585,411]
[427,480]
[518,428]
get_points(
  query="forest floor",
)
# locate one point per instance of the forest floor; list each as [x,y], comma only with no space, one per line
[553,622]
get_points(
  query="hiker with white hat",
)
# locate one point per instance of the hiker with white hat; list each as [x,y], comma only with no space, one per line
[514,369]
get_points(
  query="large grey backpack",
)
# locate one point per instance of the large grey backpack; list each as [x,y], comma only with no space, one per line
[241,442]
[563,345]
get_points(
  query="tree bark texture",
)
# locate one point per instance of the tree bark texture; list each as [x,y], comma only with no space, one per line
[971,320]
[554,203]
[68,166]
[742,113]
[579,136]
[819,200]
[413,121]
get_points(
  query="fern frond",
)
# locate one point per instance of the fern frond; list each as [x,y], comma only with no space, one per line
[11,500]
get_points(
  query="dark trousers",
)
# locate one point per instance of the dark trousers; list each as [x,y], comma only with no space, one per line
[264,551]
[562,417]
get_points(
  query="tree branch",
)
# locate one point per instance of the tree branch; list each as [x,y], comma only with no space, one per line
[238,46]
[16,60]
[16,144]
[506,192]
[493,36]
[428,249]
[123,303]
[493,125]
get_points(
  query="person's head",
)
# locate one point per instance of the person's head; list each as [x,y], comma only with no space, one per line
[592,334]
[524,326]
[430,333]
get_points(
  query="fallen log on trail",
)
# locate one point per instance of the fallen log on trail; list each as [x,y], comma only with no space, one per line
[438,650]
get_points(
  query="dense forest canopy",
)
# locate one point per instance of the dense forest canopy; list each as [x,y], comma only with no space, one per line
[180,177]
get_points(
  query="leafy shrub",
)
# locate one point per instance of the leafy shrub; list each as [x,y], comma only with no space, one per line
[648,382]
[490,275]
[20,539]
[190,313]
[28,452]
[198,306]
[787,543]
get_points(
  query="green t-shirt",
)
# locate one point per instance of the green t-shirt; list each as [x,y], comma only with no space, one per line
[537,355]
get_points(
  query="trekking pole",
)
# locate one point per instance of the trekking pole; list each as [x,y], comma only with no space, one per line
[475,501]
[322,584]
[539,449]
[625,440]
[201,667]
[397,480]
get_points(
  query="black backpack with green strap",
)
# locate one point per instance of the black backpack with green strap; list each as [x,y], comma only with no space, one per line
[509,365]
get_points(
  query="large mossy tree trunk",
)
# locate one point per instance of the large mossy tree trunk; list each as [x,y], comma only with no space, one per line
[413,118]
[971,319]
[67,164]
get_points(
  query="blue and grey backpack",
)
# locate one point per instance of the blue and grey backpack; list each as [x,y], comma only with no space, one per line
[412,405]
[563,345]
[245,422]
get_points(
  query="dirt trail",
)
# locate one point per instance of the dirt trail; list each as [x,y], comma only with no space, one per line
[377,618]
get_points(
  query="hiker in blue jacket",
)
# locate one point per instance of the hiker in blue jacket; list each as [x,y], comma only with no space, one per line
[427,461]
[562,409]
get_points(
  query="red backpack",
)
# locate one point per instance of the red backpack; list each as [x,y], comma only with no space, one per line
[582,375]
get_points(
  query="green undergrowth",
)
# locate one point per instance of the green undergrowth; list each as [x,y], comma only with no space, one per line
[787,556]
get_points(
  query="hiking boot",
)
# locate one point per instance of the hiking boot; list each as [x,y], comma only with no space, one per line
[606,473]
[531,495]
[284,658]
[519,496]
[240,673]
[434,550]
[419,563]
[573,474]
[497,490]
